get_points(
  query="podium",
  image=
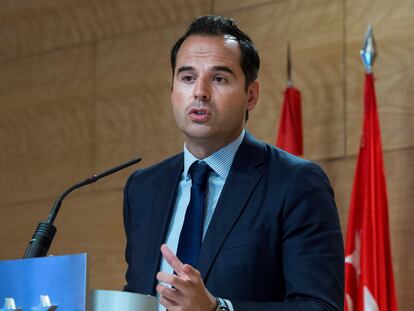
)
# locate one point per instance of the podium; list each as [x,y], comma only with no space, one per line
[108,300]
[60,283]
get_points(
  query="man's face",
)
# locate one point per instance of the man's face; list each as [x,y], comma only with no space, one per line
[209,98]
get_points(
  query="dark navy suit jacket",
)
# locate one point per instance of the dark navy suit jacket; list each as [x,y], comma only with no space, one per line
[274,242]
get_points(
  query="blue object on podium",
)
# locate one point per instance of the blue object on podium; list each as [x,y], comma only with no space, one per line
[61,278]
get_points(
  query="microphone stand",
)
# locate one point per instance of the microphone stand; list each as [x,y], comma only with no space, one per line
[43,236]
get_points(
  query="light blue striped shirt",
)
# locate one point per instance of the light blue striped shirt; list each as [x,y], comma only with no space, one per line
[220,163]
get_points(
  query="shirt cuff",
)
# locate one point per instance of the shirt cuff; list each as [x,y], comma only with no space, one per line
[229,304]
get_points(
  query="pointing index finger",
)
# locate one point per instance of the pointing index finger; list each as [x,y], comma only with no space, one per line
[172,259]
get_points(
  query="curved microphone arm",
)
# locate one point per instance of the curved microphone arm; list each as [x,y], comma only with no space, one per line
[43,236]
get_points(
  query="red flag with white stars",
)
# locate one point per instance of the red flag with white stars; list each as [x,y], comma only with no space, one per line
[369,281]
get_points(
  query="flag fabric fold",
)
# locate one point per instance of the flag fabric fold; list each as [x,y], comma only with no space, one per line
[369,281]
[290,136]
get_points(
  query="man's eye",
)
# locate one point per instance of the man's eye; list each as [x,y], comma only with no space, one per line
[187,78]
[219,79]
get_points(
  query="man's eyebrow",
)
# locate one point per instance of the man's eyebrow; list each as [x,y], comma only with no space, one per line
[223,68]
[214,68]
[184,68]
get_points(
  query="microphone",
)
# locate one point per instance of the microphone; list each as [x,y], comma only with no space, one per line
[42,238]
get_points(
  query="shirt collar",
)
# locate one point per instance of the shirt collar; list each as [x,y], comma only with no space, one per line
[220,161]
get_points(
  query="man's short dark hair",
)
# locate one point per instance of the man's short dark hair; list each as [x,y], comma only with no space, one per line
[211,25]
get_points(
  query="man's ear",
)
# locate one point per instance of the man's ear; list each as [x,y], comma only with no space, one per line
[252,94]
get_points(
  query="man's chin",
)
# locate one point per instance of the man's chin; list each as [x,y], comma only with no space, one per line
[198,131]
[199,136]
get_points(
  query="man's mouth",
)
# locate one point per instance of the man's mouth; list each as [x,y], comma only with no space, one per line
[199,115]
[200,112]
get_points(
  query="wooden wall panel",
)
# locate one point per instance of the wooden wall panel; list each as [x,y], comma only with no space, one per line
[18,223]
[315,32]
[133,114]
[45,132]
[92,222]
[29,27]
[393,69]
[224,6]
[400,182]
[88,222]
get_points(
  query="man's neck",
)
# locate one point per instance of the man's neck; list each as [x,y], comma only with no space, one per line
[202,152]
[202,149]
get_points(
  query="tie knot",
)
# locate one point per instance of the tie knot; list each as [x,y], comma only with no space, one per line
[199,173]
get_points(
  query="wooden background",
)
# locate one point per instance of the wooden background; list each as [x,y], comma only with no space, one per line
[84,85]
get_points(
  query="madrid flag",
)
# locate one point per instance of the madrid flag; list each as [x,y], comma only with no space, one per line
[369,281]
[290,137]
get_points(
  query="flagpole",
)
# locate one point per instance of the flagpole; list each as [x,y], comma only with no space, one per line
[289,66]
[369,280]
[290,134]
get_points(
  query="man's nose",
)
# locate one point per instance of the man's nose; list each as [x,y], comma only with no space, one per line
[202,90]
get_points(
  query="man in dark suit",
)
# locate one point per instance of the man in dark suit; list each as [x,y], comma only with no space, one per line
[269,236]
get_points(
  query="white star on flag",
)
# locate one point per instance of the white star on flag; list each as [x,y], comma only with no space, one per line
[354,258]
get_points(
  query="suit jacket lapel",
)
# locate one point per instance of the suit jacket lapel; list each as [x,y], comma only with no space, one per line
[241,181]
[161,215]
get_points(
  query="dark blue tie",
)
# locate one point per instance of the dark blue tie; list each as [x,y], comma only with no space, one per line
[191,234]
